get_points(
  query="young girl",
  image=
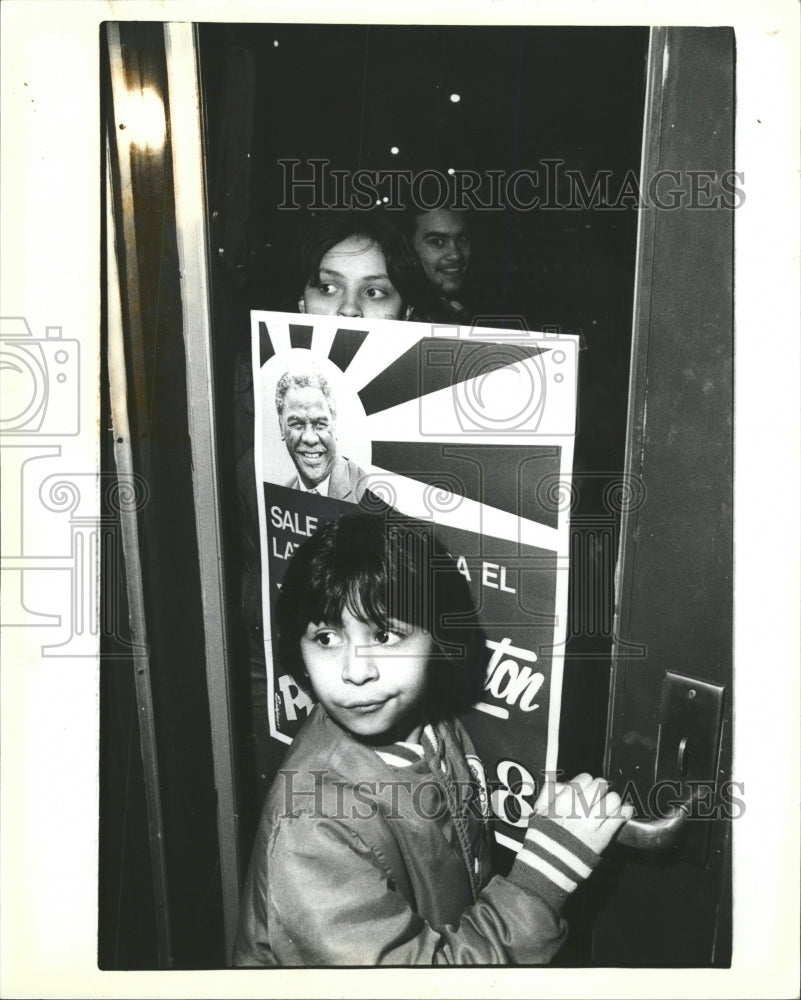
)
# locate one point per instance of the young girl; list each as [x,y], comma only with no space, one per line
[372,847]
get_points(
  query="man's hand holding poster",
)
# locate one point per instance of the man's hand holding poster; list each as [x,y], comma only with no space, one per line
[467,428]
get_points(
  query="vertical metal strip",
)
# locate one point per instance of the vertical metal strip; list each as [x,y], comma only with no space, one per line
[130,263]
[658,64]
[188,178]
[123,457]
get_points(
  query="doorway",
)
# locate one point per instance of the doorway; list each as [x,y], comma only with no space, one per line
[551,122]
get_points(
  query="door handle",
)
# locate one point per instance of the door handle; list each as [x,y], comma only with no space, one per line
[656,834]
[690,719]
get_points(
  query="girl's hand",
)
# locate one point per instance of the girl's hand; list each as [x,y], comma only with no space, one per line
[584,808]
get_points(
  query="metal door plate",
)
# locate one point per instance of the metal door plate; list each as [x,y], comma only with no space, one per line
[689,744]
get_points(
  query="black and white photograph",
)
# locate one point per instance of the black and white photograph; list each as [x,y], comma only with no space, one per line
[391,523]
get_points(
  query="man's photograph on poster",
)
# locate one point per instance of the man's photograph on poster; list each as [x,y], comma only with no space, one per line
[310,417]
[421,337]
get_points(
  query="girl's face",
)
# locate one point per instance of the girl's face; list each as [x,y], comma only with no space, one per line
[371,679]
[354,282]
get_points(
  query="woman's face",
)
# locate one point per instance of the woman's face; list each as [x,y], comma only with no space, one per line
[354,282]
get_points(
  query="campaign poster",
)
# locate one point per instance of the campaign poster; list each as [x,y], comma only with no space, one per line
[470,429]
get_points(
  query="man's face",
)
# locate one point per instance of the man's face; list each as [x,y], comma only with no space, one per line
[309,432]
[442,243]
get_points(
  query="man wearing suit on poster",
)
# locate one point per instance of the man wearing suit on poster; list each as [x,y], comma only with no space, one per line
[307,418]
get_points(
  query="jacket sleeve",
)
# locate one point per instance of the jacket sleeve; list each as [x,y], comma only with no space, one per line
[330,900]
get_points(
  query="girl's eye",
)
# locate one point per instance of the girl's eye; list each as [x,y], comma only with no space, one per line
[326,288]
[376,293]
[388,637]
[326,638]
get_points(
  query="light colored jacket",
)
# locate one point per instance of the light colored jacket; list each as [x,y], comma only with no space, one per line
[360,863]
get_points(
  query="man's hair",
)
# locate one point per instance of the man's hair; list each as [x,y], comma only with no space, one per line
[322,231]
[383,568]
[303,380]
[411,216]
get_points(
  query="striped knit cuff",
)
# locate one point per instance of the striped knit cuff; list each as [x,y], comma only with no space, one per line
[552,862]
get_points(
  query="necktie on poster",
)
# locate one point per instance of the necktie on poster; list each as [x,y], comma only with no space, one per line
[468,428]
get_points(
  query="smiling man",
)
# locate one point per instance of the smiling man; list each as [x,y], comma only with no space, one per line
[441,240]
[307,417]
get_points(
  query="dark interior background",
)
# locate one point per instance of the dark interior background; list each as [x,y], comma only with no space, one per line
[348,94]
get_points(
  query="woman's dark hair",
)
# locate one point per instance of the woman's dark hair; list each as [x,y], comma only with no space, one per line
[322,231]
[383,568]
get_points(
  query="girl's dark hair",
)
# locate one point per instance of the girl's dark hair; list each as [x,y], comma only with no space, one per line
[322,231]
[385,567]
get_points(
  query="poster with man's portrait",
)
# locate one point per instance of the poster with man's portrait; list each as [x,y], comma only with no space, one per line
[466,430]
